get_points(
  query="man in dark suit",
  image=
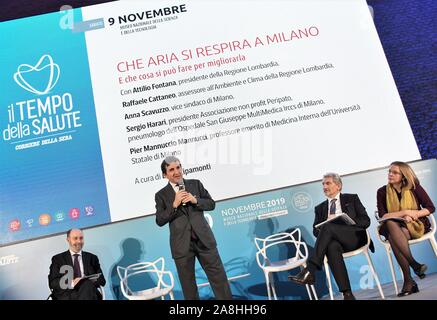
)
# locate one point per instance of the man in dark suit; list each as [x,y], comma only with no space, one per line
[68,268]
[335,237]
[181,204]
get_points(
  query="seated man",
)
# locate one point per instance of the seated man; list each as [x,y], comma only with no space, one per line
[335,237]
[68,269]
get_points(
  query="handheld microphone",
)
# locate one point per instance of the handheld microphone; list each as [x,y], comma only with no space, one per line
[181,187]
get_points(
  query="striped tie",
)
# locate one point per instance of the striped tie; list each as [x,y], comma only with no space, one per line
[332,208]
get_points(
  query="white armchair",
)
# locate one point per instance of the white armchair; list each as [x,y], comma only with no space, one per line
[363,250]
[269,267]
[164,284]
[430,236]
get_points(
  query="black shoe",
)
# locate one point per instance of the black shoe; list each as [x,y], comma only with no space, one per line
[414,289]
[420,271]
[348,295]
[303,277]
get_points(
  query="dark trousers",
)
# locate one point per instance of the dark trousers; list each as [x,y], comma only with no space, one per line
[333,240]
[212,265]
[84,290]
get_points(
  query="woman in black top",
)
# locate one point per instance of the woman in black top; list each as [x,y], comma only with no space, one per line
[404,197]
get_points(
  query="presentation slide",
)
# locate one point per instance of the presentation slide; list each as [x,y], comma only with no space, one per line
[251,96]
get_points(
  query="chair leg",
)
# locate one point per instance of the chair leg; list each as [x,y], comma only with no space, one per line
[308,291]
[328,277]
[392,270]
[400,271]
[375,276]
[268,285]
[304,265]
[433,245]
[272,284]
[314,292]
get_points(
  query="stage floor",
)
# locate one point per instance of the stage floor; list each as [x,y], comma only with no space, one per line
[427,291]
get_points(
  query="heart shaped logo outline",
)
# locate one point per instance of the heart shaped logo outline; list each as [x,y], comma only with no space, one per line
[18,77]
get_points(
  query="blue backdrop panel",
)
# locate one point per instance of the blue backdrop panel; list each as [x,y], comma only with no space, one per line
[66,177]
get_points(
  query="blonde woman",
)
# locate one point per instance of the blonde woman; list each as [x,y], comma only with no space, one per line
[404,197]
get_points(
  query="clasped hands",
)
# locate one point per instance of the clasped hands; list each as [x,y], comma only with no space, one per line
[183,197]
[410,215]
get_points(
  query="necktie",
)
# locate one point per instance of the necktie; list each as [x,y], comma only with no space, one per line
[76,267]
[332,208]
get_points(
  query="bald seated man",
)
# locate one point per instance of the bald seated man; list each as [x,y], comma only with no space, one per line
[68,269]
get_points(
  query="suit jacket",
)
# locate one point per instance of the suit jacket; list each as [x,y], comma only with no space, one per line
[91,265]
[350,204]
[184,218]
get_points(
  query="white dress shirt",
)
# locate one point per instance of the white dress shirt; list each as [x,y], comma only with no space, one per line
[337,206]
[175,187]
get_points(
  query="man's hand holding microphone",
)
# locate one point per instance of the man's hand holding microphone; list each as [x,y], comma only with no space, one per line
[182,196]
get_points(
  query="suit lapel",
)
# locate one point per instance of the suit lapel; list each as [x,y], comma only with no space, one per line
[169,192]
[85,262]
[191,188]
[343,203]
[188,188]
[67,258]
[187,185]
[325,210]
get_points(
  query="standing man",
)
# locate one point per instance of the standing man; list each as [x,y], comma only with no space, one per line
[335,237]
[181,204]
[79,264]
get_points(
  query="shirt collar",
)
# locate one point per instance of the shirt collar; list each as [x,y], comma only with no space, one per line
[72,253]
[337,197]
[175,184]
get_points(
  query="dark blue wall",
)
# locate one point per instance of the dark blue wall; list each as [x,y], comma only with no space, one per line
[407,30]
